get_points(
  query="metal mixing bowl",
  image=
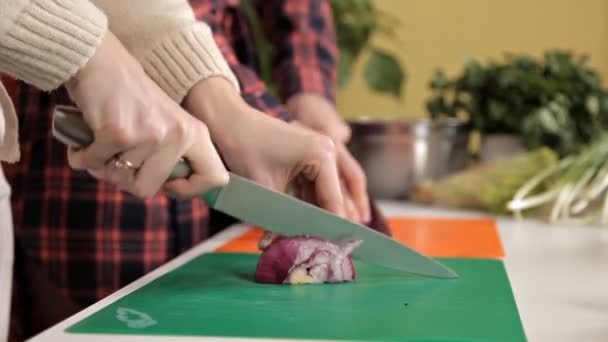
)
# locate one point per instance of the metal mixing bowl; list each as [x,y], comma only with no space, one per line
[397,154]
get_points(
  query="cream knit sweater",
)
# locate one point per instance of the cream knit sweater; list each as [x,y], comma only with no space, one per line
[45,42]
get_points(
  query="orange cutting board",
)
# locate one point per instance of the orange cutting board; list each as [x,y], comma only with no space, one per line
[436,237]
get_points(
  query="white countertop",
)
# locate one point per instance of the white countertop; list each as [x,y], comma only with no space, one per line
[559,276]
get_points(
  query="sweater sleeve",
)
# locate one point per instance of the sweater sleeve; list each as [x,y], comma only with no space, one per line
[9,141]
[46,42]
[175,50]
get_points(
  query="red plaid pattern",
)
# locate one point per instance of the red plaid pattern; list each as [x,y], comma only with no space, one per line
[88,238]
[303,35]
[301,31]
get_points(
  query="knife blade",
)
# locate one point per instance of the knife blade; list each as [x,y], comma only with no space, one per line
[278,212]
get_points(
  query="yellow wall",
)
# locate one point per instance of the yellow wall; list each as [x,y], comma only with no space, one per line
[444,32]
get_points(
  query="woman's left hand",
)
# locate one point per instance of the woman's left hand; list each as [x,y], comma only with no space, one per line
[266,150]
[315,112]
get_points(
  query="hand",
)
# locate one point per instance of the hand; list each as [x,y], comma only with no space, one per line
[268,151]
[135,121]
[316,112]
[319,114]
[2,121]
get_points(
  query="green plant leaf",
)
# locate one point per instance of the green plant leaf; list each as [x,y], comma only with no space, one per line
[436,106]
[355,22]
[547,121]
[474,73]
[557,101]
[497,110]
[592,103]
[439,80]
[345,67]
[383,73]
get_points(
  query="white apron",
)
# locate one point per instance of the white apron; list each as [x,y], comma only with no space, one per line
[6,257]
[6,234]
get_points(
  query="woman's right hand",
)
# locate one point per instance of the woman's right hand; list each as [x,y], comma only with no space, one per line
[134,121]
[266,150]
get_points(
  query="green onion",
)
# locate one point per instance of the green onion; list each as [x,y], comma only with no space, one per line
[576,189]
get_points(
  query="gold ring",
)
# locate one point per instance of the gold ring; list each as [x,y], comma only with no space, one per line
[124,164]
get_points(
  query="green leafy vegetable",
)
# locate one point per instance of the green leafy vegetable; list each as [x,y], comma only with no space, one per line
[556,101]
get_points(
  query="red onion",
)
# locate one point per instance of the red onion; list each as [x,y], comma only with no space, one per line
[302,260]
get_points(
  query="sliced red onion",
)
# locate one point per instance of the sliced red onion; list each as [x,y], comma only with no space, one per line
[267,238]
[302,260]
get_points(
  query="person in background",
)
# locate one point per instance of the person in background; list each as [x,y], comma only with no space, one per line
[79,238]
[304,71]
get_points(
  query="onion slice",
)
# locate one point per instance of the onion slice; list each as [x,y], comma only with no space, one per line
[306,260]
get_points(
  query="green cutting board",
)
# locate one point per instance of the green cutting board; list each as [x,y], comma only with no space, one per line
[215,295]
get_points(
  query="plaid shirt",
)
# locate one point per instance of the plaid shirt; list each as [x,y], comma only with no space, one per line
[90,239]
[302,32]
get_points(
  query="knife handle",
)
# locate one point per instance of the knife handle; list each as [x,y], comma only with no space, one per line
[70,128]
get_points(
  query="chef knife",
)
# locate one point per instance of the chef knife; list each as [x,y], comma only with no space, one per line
[277,212]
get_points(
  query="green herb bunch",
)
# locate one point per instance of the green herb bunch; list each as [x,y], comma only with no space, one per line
[556,101]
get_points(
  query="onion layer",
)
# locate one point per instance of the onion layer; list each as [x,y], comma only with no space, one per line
[304,260]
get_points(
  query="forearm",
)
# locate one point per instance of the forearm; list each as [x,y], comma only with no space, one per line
[46,42]
[175,50]
[217,104]
[254,92]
